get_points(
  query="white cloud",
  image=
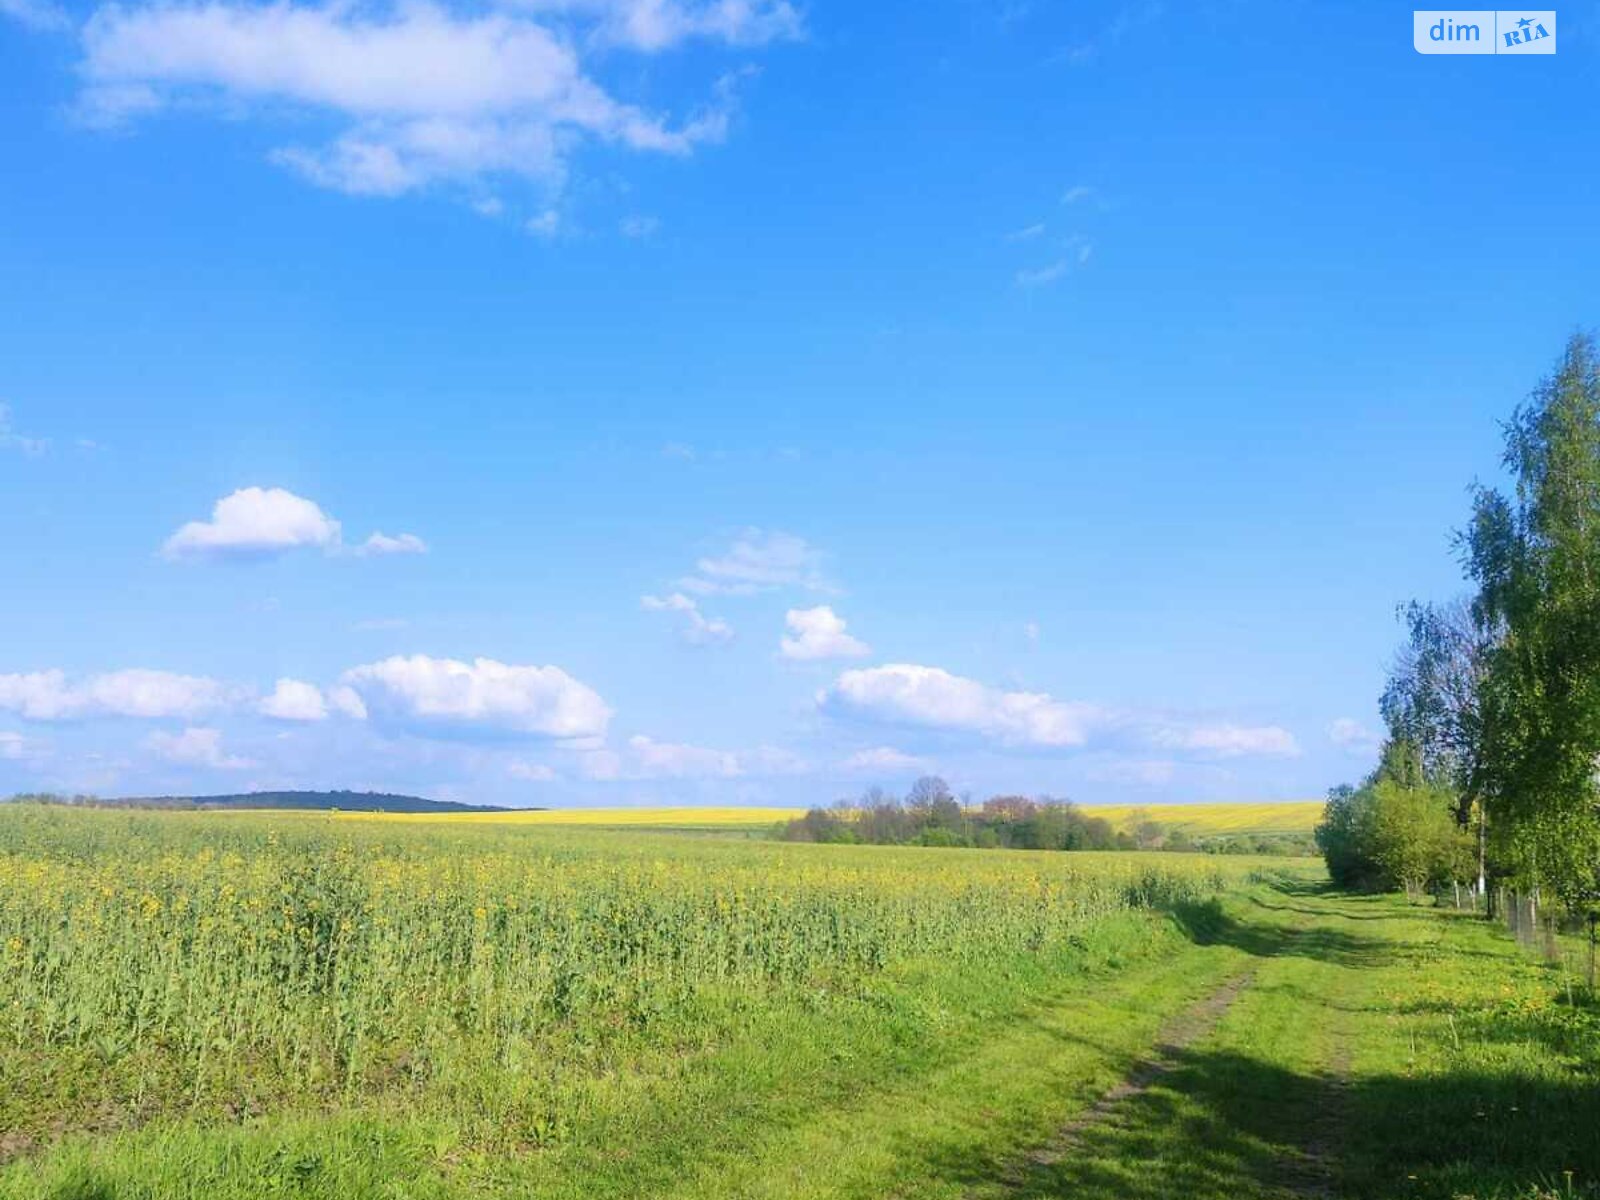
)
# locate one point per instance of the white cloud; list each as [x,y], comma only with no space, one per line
[421,94]
[483,694]
[1229,741]
[1076,193]
[1352,735]
[639,227]
[381,543]
[294,700]
[10,439]
[669,760]
[644,758]
[1026,234]
[546,224]
[819,633]
[347,700]
[530,772]
[1140,772]
[884,758]
[759,560]
[1040,276]
[35,14]
[12,746]
[255,522]
[50,696]
[654,25]
[381,624]
[908,694]
[698,629]
[196,748]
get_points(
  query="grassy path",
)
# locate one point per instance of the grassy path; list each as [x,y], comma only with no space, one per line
[1316,1046]
[1379,1051]
[1286,1043]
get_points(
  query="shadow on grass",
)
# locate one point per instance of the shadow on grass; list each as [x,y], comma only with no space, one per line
[1209,924]
[1223,1126]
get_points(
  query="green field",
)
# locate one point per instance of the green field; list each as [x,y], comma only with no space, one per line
[1204,820]
[1200,820]
[287,1005]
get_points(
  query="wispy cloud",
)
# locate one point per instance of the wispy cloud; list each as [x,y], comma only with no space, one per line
[646,758]
[1032,277]
[196,748]
[759,560]
[1351,735]
[36,14]
[697,629]
[10,439]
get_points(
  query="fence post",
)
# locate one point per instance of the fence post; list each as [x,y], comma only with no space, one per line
[1593,918]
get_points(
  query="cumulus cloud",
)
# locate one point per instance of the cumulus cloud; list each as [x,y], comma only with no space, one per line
[196,748]
[884,758]
[758,561]
[294,700]
[697,628]
[51,696]
[819,633]
[418,93]
[345,699]
[1229,741]
[908,694]
[382,543]
[481,695]
[257,523]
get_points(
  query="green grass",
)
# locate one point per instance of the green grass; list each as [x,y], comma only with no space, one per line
[1370,1049]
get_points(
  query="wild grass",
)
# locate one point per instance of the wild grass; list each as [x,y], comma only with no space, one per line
[167,964]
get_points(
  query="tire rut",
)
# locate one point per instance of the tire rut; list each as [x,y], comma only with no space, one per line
[1180,1032]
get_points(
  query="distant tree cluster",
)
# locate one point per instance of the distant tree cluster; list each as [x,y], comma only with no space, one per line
[1493,706]
[931,815]
[318,801]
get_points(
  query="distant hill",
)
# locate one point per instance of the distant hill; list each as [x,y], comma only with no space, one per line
[344,801]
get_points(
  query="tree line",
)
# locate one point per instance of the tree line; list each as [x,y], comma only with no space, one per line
[1490,770]
[931,815]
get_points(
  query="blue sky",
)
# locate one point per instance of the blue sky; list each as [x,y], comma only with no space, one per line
[779,398]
